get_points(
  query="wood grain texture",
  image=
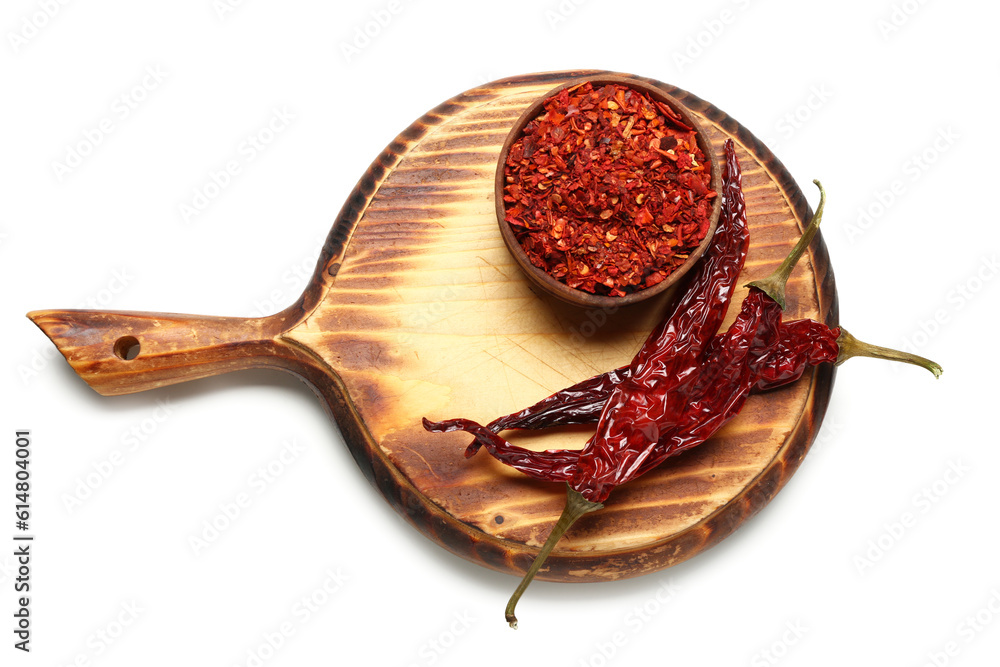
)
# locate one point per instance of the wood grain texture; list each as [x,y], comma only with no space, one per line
[417,309]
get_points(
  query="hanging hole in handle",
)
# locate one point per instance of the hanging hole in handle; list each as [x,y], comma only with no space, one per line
[127,348]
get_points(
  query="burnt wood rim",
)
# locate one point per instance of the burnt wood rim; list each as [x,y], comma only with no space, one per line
[417,508]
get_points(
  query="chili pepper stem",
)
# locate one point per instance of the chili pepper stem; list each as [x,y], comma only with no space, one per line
[576,506]
[774,284]
[852,347]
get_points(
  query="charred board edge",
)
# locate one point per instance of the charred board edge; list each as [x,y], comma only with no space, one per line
[468,541]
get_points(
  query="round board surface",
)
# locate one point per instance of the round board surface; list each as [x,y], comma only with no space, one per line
[429,316]
[418,310]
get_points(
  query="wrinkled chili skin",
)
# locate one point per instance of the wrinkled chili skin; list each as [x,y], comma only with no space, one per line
[580,403]
[801,345]
[553,465]
[673,348]
[642,424]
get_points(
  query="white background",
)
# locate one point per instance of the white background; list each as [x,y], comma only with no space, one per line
[848,92]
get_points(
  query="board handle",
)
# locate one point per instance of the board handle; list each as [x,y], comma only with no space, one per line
[122,352]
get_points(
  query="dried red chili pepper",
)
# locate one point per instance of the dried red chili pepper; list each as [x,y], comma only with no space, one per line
[643,423]
[635,435]
[607,190]
[801,345]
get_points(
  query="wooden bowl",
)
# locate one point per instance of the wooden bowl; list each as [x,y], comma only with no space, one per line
[560,290]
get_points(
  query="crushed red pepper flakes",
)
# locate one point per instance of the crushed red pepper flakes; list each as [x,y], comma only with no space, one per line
[607,190]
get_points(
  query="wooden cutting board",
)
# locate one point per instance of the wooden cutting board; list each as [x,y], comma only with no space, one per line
[417,309]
